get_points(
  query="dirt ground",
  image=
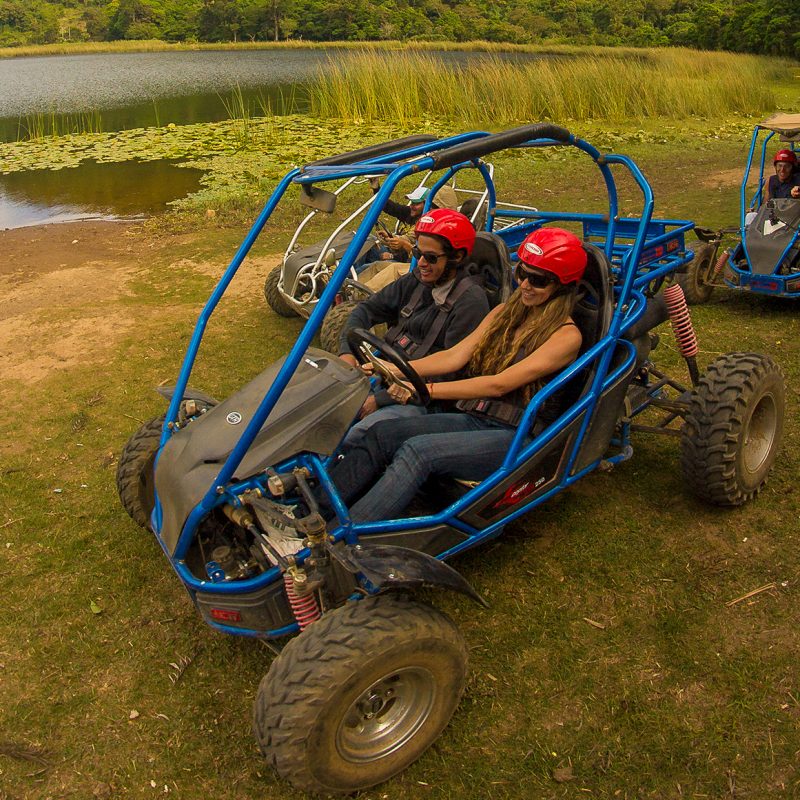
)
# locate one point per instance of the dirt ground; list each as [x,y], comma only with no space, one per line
[61,287]
[58,284]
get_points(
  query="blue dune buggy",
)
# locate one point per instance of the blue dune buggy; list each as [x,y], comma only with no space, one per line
[762,254]
[373,675]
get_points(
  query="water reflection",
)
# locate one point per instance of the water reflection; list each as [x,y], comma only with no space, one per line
[134,90]
[92,191]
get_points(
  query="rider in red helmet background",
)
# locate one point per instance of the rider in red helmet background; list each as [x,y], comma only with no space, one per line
[785,183]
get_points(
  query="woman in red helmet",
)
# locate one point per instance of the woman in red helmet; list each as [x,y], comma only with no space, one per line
[512,354]
[785,183]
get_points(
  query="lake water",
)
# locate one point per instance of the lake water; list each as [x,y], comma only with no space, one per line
[92,191]
[131,90]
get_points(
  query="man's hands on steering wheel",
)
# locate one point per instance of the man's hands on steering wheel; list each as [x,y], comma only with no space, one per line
[363,343]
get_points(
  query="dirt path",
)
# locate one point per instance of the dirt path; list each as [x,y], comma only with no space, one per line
[58,287]
[61,288]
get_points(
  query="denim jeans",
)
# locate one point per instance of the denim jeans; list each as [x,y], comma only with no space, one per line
[402,454]
[357,433]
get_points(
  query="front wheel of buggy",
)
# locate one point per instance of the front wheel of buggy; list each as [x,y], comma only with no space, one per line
[135,471]
[333,325]
[360,694]
[734,427]
[274,298]
[696,282]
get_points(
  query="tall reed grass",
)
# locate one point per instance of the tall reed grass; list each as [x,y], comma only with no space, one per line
[34,127]
[156,45]
[611,86]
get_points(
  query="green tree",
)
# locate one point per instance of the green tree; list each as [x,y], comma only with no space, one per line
[219,21]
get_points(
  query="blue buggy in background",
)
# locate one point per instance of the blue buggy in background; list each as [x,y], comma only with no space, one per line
[373,675]
[765,256]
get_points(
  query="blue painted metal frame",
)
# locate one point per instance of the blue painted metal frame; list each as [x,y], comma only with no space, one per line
[623,241]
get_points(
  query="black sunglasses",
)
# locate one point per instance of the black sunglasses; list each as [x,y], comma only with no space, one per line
[431,258]
[536,278]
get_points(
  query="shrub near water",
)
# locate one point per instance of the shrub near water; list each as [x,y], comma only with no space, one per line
[651,83]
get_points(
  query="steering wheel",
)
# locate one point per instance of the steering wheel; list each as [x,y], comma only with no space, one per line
[361,342]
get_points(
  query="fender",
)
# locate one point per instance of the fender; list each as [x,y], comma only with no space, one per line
[391,567]
[190,394]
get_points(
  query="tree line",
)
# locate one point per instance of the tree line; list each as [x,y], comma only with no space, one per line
[770,27]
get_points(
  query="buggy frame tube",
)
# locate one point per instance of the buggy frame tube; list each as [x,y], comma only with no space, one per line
[211,303]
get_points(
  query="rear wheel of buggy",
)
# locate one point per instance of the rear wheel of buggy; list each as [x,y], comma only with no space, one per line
[274,298]
[734,428]
[333,325]
[135,471]
[360,694]
[696,282]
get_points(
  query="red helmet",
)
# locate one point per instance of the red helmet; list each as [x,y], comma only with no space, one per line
[785,155]
[554,250]
[450,225]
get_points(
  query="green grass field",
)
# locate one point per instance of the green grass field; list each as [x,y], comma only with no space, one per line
[611,663]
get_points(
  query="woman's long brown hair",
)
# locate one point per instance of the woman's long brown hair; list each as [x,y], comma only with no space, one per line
[520,327]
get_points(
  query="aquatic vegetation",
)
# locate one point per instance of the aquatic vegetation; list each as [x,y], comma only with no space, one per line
[38,126]
[231,164]
[613,85]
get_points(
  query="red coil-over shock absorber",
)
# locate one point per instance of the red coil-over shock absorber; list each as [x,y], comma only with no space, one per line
[682,328]
[721,262]
[303,602]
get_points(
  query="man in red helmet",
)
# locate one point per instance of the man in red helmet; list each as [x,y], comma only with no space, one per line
[427,310]
[785,183]
[396,248]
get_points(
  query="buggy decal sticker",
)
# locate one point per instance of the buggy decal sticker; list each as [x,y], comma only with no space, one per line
[234,418]
[770,227]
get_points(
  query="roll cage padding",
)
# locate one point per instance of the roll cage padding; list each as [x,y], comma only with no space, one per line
[374,151]
[477,148]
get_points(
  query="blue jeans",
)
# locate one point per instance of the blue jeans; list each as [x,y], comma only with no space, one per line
[402,454]
[357,433]
[373,254]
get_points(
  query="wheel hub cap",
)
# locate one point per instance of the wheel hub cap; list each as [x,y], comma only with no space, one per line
[387,715]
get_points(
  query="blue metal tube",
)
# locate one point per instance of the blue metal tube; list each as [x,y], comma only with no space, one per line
[216,295]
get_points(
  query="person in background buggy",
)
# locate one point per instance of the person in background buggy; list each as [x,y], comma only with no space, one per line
[427,310]
[396,247]
[785,183]
[518,347]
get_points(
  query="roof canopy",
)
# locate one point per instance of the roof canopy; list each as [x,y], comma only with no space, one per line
[788,125]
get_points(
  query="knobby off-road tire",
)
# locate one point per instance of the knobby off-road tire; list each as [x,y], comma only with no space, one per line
[360,694]
[695,282]
[135,472]
[733,429]
[274,298]
[333,325]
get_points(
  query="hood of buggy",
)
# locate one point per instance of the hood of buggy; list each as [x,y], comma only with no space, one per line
[312,415]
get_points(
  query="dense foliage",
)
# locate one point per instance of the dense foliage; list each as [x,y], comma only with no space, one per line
[758,26]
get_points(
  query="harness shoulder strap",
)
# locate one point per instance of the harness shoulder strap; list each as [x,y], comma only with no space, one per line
[405,312]
[456,291]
